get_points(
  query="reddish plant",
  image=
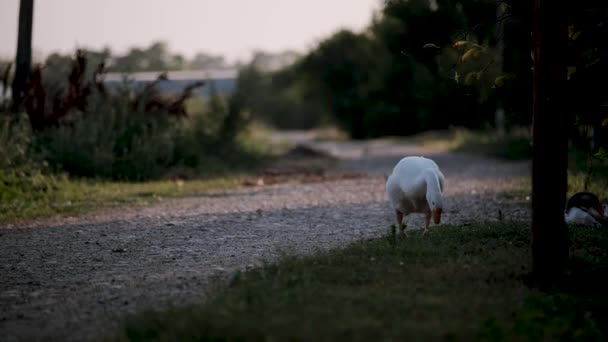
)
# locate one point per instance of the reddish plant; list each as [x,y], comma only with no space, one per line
[80,89]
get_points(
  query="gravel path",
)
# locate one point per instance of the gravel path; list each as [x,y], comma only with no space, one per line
[75,280]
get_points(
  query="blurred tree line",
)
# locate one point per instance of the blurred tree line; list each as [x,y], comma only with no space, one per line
[383,81]
[156,57]
[423,65]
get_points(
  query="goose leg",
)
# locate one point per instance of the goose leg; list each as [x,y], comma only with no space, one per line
[399,218]
[427,221]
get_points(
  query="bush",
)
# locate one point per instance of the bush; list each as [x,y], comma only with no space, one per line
[22,177]
[15,139]
[81,127]
[282,99]
[112,141]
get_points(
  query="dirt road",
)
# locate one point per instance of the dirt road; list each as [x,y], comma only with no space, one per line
[75,280]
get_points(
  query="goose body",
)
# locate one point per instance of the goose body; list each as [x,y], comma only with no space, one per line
[416,186]
[580,216]
[585,208]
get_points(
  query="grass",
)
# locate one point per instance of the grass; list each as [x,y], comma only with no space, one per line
[27,194]
[457,283]
[514,145]
[32,191]
[579,162]
[598,184]
[59,196]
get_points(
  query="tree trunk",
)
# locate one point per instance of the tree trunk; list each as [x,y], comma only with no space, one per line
[24,51]
[550,144]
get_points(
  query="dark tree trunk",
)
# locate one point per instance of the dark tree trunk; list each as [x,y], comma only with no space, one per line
[24,52]
[550,144]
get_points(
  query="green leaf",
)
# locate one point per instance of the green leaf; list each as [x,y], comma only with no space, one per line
[456,76]
[572,34]
[460,43]
[571,70]
[605,122]
[593,62]
[500,80]
[471,77]
[471,53]
[602,154]
[430,45]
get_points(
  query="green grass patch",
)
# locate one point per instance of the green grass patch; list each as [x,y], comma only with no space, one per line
[576,183]
[29,193]
[31,187]
[598,184]
[457,283]
[39,196]
[515,145]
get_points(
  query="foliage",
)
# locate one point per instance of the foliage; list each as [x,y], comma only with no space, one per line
[206,61]
[487,54]
[40,195]
[15,140]
[21,178]
[280,98]
[516,145]
[381,81]
[112,141]
[343,71]
[155,57]
[420,88]
[116,143]
[72,127]
[80,127]
[457,283]
[587,57]
[48,102]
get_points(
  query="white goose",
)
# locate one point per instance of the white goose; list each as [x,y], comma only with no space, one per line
[416,186]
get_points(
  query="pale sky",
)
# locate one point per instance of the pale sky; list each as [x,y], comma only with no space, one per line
[233,28]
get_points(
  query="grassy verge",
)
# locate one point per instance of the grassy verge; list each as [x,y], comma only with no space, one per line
[598,184]
[52,196]
[576,183]
[27,194]
[514,145]
[457,283]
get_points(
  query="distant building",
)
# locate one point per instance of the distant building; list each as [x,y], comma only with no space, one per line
[223,81]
